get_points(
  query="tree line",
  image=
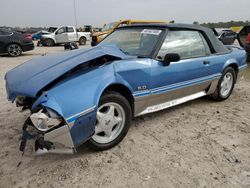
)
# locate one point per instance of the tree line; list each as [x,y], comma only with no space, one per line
[225,24]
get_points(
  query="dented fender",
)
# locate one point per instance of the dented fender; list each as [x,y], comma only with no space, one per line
[79,102]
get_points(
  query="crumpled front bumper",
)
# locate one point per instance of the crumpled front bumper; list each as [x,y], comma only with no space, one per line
[57,140]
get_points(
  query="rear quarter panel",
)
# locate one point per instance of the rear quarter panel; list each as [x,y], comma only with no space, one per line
[221,61]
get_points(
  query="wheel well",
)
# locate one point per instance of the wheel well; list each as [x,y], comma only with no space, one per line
[50,39]
[6,47]
[83,37]
[124,91]
[235,67]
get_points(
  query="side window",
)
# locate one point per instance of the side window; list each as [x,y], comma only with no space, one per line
[187,44]
[5,33]
[61,30]
[229,34]
[70,30]
[207,48]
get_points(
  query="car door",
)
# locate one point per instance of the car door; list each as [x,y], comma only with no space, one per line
[189,77]
[61,35]
[72,35]
[244,39]
[4,40]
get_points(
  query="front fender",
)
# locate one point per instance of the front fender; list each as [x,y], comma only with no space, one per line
[76,99]
[82,92]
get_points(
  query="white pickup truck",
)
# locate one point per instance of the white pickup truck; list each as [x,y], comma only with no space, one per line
[63,35]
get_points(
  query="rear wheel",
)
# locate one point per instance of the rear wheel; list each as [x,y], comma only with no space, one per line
[113,120]
[14,50]
[82,41]
[225,85]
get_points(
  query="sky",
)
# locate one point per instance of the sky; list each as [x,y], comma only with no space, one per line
[36,13]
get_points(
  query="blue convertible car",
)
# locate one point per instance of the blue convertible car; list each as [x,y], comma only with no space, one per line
[90,96]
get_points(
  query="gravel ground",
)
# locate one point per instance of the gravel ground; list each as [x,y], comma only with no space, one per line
[201,143]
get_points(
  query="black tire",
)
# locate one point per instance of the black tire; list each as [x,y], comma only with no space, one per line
[248,58]
[49,42]
[82,41]
[122,101]
[14,50]
[217,95]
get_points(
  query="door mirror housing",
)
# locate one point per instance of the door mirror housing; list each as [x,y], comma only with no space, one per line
[171,57]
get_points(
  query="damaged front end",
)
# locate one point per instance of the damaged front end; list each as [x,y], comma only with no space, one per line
[62,92]
[49,131]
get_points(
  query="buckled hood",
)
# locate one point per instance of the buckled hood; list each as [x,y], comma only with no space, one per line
[30,77]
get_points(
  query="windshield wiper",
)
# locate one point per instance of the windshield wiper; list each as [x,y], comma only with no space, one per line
[142,56]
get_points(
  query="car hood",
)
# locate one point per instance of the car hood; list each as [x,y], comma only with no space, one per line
[30,77]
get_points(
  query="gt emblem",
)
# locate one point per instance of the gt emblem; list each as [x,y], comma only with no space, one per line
[141,87]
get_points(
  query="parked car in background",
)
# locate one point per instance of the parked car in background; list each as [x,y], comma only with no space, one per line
[110,27]
[14,43]
[28,36]
[64,35]
[244,40]
[38,35]
[91,95]
[227,37]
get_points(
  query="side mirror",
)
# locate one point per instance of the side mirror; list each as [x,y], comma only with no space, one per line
[171,57]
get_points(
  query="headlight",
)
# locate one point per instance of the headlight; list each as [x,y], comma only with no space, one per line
[45,119]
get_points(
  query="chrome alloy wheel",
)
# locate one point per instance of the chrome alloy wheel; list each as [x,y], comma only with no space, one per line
[110,122]
[14,50]
[226,84]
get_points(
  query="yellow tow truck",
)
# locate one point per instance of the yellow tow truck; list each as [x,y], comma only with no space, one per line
[110,27]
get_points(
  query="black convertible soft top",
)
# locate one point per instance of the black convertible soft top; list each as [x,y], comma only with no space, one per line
[208,33]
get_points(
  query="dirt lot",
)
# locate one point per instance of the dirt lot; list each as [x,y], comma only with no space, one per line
[198,144]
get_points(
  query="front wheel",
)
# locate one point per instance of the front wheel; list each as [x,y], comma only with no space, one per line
[112,122]
[49,42]
[225,85]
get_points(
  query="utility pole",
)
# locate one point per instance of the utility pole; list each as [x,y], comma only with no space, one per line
[75,13]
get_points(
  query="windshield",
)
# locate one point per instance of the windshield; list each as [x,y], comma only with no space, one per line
[109,26]
[135,42]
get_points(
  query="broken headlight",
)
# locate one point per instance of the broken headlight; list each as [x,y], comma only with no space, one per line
[45,119]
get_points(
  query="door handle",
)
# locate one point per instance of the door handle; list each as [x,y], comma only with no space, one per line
[206,62]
